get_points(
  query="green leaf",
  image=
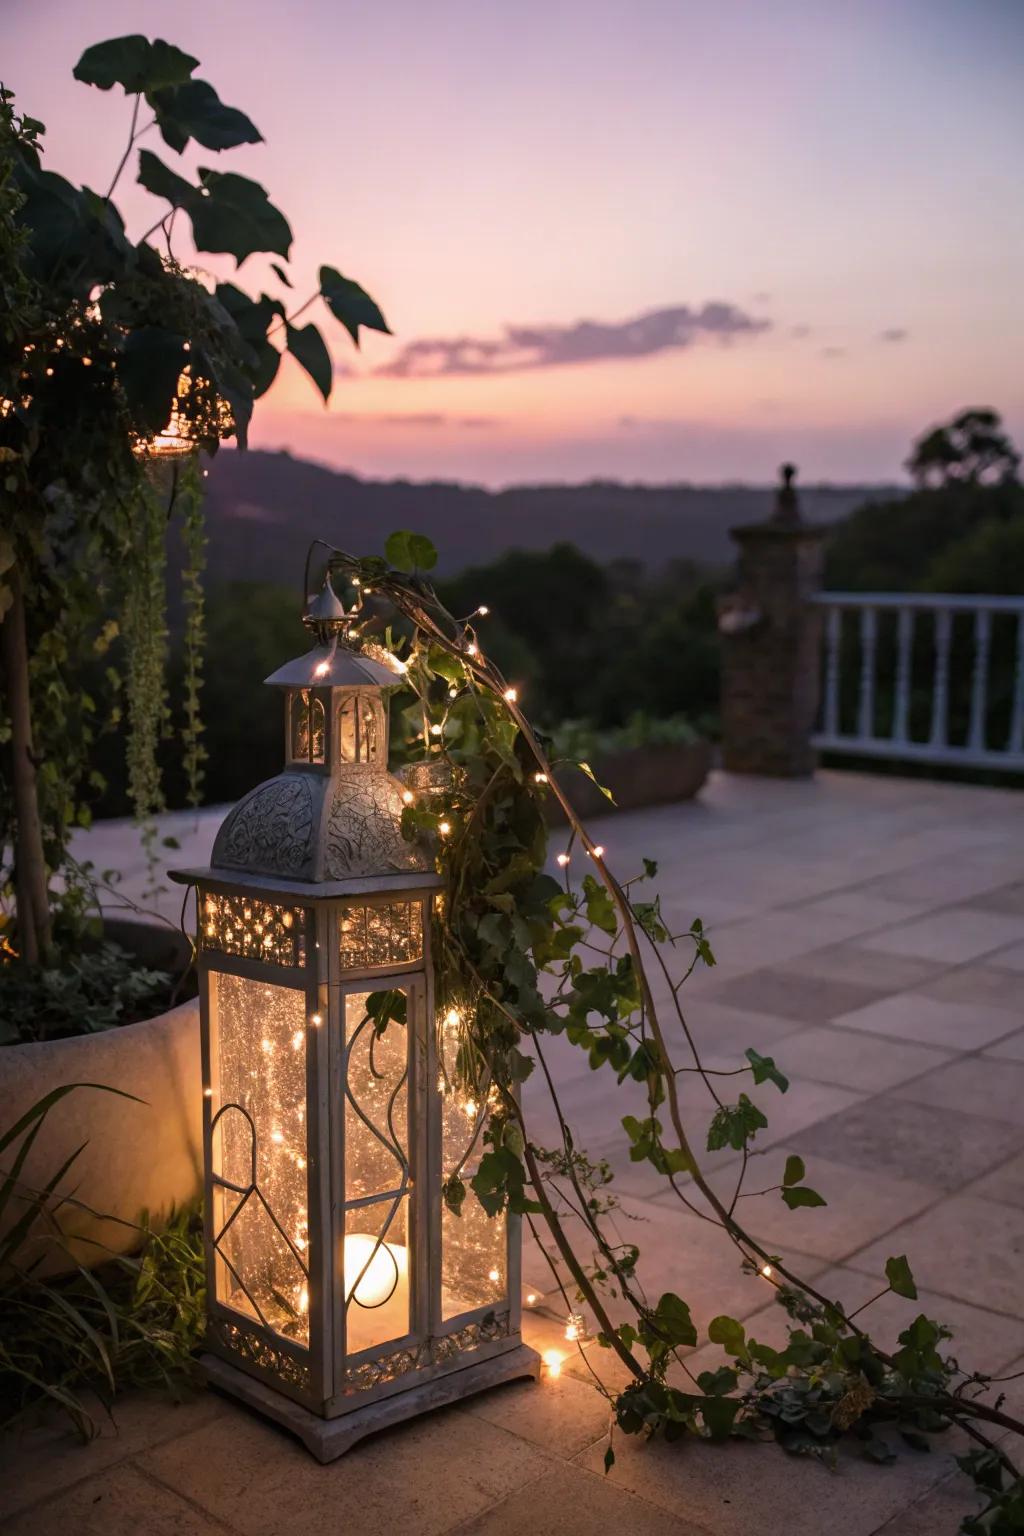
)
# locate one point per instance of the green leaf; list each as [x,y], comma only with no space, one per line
[453,1192]
[729,1333]
[897,1272]
[134,62]
[159,179]
[794,1171]
[193,110]
[733,1125]
[351,304]
[307,346]
[233,214]
[599,906]
[719,1414]
[586,768]
[673,1321]
[385,1006]
[765,1070]
[609,1460]
[802,1196]
[718,1383]
[408,551]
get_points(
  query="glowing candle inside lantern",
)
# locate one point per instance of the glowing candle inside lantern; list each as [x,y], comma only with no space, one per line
[377,1289]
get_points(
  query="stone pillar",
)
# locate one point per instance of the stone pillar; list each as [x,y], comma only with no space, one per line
[771,644]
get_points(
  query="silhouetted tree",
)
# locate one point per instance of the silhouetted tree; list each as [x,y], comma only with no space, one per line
[972,449]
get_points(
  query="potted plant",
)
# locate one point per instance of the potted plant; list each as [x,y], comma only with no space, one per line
[645,762]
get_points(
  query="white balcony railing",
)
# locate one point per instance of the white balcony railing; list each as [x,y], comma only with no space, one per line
[923,664]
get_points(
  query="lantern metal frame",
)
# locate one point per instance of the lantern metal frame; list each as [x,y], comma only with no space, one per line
[329,1397]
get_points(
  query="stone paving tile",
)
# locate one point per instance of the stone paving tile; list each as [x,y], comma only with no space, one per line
[867,967]
[789,994]
[574,1502]
[839,1056]
[873,912]
[975,1084]
[1010,1049]
[939,882]
[778,937]
[41,1459]
[984,984]
[559,1414]
[1011,959]
[739,1490]
[967,1247]
[906,1140]
[119,1502]
[939,1513]
[1004,898]
[1005,1183]
[721,1029]
[912,1016]
[954,935]
[861,1205]
[262,1482]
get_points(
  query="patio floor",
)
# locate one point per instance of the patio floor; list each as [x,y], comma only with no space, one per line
[870,937]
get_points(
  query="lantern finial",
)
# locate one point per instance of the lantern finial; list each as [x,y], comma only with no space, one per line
[325,614]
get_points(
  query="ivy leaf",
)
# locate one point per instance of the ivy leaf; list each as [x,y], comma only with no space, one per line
[307,346]
[802,1196]
[599,905]
[193,110]
[352,305]
[453,1192]
[733,1125]
[409,552]
[730,1334]
[235,215]
[765,1070]
[721,1382]
[383,1007]
[901,1281]
[794,1171]
[718,1414]
[673,1321]
[134,62]
[586,768]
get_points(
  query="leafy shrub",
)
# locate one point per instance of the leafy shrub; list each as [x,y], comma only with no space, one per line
[92,990]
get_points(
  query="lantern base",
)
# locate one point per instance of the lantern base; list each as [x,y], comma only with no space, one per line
[328,1439]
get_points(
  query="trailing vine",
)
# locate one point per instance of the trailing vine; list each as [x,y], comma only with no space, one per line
[144,626]
[193,533]
[523,956]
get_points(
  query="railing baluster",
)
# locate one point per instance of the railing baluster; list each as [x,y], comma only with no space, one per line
[868,636]
[1015,742]
[940,683]
[834,630]
[904,665]
[979,680]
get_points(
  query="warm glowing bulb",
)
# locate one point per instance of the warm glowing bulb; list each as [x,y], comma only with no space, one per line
[211,929]
[510,695]
[531,1300]
[469,1109]
[444,827]
[552,1359]
[494,1274]
[575,1327]
[435,730]
[207,1093]
[386,1268]
[297,1040]
[277,1137]
[472,650]
[563,859]
[483,610]
[453,693]
[598,850]
[304,1300]
[451,1018]
[540,778]
[267,1046]
[407,796]
[766,1270]
[317,1019]
[321,668]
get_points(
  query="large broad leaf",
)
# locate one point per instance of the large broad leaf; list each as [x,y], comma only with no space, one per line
[76,239]
[234,214]
[409,552]
[159,179]
[350,303]
[307,346]
[195,111]
[134,62]
[151,365]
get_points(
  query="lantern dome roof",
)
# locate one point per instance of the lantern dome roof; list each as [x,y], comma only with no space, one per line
[318,828]
[334,666]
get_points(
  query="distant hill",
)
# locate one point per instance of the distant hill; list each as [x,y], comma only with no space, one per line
[264,508]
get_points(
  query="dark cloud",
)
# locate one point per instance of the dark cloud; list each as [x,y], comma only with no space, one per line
[894,333]
[429,419]
[588,341]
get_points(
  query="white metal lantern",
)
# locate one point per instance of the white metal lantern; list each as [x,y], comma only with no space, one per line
[343,1295]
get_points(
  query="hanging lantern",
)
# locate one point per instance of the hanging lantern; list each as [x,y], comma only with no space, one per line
[343,1295]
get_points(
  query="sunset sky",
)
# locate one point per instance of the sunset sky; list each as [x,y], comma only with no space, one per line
[650,239]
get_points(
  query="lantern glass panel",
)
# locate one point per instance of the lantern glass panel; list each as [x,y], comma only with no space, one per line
[473,1244]
[260,1230]
[376,1265]
[307,738]
[348,735]
[376,1094]
[258,930]
[388,934]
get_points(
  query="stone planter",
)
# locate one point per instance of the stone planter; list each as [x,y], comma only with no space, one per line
[138,1156]
[638,776]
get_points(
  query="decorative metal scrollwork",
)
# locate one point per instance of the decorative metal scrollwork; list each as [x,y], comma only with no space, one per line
[257,1350]
[436,1351]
